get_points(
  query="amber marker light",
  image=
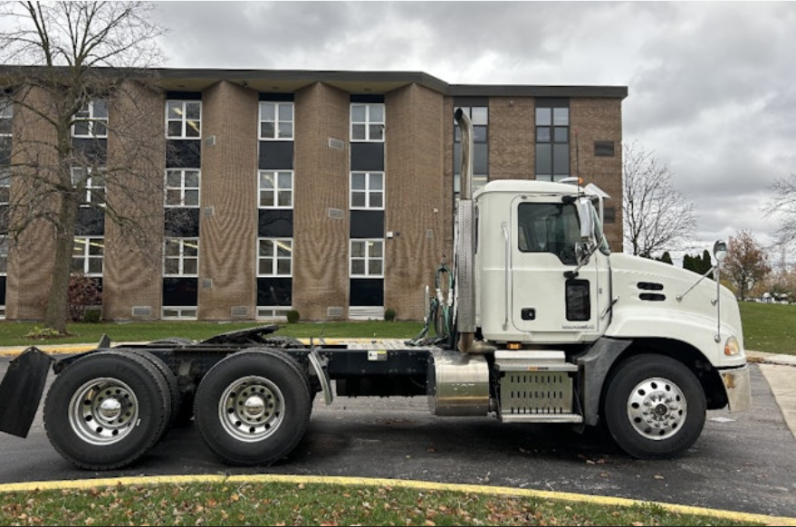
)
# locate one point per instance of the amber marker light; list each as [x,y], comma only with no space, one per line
[731,347]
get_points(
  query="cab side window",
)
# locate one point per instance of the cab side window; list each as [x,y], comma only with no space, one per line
[549,228]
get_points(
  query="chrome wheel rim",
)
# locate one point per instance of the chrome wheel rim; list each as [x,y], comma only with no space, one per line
[251,409]
[103,411]
[657,408]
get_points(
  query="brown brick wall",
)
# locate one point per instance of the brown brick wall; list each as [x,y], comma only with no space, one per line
[447,180]
[511,138]
[30,262]
[320,244]
[133,258]
[415,195]
[600,120]
[512,148]
[419,207]
[227,246]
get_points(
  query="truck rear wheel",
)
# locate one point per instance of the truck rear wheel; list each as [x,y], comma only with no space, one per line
[252,408]
[654,407]
[168,376]
[106,410]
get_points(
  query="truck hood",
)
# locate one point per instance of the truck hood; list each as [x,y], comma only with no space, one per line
[655,299]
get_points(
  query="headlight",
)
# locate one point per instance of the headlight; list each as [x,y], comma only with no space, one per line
[731,347]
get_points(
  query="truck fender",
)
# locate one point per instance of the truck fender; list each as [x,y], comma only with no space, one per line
[21,391]
[595,365]
[318,364]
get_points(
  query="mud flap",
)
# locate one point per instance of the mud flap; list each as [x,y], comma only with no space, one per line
[21,391]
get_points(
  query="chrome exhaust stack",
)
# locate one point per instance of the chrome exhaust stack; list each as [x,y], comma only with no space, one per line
[465,245]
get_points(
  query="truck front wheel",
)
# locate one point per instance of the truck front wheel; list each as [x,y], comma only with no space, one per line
[253,407]
[654,407]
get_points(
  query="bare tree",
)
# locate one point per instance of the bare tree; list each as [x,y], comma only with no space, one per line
[746,263]
[657,217]
[783,205]
[67,64]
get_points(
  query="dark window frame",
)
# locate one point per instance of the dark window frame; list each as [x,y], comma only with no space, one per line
[552,140]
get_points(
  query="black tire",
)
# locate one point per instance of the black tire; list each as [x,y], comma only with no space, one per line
[277,390]
[654,407]
[106,410]
[168,377]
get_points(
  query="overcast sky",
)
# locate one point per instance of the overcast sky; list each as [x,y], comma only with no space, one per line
[712,86]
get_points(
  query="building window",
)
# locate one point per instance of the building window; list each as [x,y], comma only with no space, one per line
[3,273]
[181,257]
[275,189]
[367,122]
[367,190]
[183,119]
[604,149]
[5,186]
[6,115]
[3,255]
[479,117]
[182,187]
[91,121]
[552,140]
[87,255]
[367,258]
[276,120]
[275,257]
[91,183]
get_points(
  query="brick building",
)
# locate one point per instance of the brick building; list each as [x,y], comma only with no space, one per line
[330,193]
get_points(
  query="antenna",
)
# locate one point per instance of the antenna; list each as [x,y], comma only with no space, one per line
[577,160]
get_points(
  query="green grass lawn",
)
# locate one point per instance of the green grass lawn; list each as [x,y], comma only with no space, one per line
[14,333]
[769,327]
[319,504]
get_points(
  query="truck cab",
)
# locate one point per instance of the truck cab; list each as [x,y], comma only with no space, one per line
[541,278]
[545,277]
[575,334]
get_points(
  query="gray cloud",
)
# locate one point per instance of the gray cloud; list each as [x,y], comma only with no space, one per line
[710,83]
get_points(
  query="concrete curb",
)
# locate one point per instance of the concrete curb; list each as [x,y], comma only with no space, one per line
[409,484]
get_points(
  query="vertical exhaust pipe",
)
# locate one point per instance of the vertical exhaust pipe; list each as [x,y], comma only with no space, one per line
[466,129]
[465,237]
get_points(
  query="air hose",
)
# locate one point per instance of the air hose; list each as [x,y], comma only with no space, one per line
[439,312]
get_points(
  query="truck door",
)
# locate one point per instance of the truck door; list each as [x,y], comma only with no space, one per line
[545,303]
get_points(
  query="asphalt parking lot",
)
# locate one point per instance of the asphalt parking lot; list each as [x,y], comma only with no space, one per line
[742,462]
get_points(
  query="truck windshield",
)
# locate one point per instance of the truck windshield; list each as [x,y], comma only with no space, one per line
[549,228]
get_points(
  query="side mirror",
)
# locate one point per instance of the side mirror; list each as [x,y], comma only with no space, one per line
[586,215]
[583,252]
[720,250]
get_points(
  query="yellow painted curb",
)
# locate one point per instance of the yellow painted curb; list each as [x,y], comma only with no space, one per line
[77,348]
[741,517]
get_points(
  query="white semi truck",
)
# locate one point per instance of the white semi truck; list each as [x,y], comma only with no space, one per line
[541,324]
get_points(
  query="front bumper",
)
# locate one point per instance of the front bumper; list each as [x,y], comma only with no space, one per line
[738,386]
